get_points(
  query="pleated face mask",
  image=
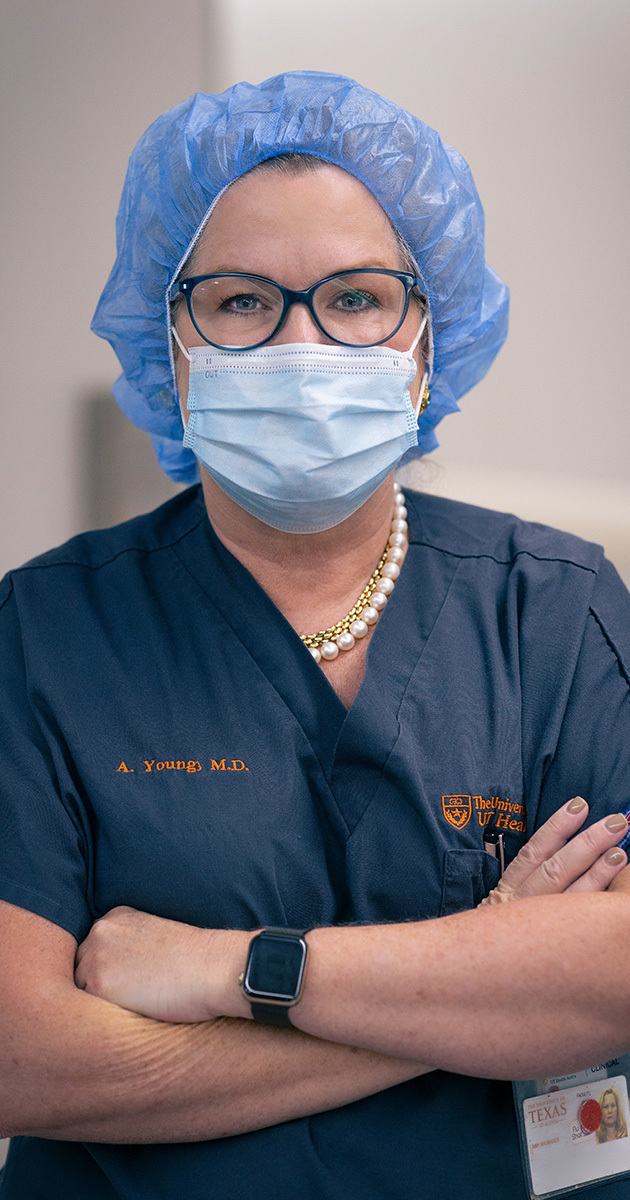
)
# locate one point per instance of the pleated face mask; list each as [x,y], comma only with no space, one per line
[300,435]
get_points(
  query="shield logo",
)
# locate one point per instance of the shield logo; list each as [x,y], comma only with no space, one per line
[457,810]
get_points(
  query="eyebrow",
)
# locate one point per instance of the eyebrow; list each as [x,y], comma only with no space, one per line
[360,266]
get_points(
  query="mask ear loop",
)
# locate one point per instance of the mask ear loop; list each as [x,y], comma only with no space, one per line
[418,335]
[179,343]
[424,394]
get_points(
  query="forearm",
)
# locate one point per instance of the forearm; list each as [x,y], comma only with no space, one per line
[516,991]
[104,1074]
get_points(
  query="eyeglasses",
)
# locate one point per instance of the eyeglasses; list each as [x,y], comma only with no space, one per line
[353,308]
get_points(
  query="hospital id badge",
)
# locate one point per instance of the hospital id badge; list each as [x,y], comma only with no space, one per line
[574,1129]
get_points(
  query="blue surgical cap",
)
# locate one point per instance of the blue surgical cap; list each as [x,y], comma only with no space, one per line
[193,152]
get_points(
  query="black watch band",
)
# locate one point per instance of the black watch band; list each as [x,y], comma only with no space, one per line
[270,1014]
[273,985]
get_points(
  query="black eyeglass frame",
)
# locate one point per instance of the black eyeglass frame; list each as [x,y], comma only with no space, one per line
[289,296]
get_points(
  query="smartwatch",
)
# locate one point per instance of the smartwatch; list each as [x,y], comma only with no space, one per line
[274,974]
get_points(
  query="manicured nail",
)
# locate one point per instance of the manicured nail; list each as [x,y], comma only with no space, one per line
[577,805]
[616,823]
[615,857]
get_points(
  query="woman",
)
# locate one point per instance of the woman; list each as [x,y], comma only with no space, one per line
[221,777]
[613,1125]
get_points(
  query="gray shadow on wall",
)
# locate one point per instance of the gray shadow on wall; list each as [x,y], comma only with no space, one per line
[120,475]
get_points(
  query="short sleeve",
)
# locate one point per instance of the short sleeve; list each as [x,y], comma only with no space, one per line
[42,838]
[592,757]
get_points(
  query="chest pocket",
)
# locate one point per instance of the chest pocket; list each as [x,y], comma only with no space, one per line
[468,876]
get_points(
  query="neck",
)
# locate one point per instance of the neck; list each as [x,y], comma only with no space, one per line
[313,578]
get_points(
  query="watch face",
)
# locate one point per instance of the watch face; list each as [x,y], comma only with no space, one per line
[275,967]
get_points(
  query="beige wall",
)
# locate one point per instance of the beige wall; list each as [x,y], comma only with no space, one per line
[80,80]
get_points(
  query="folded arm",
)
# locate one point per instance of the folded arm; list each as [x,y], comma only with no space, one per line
[76,1067]
[513,990]
[524,990]
[141,1050]
[535,987]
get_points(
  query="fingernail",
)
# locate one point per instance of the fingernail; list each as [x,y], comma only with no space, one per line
[616,823]
[615,857]
[577,805]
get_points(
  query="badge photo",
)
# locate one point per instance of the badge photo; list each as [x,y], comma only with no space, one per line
[575,1133]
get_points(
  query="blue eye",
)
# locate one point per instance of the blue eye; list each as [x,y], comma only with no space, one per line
[243,303]
[355,301]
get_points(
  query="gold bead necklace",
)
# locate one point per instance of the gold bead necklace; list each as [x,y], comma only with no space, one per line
[366,611]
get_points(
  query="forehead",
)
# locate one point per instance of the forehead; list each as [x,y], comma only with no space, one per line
[320,221]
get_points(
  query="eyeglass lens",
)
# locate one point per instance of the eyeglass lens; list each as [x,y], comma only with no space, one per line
[358,309]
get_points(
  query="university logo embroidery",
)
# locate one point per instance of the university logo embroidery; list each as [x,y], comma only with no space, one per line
[505,814]
[457,810]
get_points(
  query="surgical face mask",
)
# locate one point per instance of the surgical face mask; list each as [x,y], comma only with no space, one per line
[300,435]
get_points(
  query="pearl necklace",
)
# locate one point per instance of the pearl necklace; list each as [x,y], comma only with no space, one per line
[343,636]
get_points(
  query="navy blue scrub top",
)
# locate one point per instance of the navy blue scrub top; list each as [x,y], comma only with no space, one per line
[167,742]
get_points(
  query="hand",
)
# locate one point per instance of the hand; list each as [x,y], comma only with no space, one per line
[558,859]
[162,969]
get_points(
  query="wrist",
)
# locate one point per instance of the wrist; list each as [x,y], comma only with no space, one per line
[226,955]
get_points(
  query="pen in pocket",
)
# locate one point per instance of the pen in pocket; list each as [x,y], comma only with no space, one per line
[493,842]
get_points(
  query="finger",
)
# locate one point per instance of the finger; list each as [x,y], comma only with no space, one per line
[574,860]
[83,946]
[546,842]
[602,873]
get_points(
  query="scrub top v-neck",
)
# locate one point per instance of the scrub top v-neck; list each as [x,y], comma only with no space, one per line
[342,740]
[167,742]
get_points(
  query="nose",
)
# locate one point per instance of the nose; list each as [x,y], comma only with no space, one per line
[299,326]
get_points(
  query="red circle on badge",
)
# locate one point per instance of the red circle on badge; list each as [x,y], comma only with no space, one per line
[590,1116]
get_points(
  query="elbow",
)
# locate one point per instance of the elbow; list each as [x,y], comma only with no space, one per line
[13,1122]
[10,1125]
[23,1108]
[24,1121]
